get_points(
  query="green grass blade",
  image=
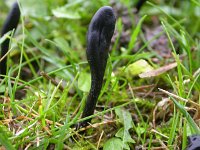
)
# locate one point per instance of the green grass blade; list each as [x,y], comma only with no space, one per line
[135,33]
[191,122]
[5,141]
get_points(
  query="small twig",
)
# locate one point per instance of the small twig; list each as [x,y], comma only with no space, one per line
[67,147]
[100,139]
[48,121]
[163,144]
[96,125]
[37,138]
[154,116]
[4,56]
[47,130]
[178,97]
[143,87]
[35,114]
[27,147]
[153,130]
[42,73]
[91,136]
[150,91]
[76,111]
[196,73]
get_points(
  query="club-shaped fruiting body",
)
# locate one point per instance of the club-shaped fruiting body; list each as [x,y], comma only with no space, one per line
[99,36]
[11,23]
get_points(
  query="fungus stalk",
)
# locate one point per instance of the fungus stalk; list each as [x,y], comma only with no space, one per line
[99,36]
[11,23]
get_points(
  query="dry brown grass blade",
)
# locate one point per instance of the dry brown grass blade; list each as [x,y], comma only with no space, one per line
[179,98]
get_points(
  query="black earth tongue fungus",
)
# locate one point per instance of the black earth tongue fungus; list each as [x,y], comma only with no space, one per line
[193,142]
[99,36]
[11,23]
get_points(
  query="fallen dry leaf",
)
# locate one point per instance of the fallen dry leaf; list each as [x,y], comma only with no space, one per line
[158,71]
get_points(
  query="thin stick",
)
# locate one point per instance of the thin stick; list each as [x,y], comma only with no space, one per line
[155,131]
[96,125]
[42,73]
[178,97]
[100,139]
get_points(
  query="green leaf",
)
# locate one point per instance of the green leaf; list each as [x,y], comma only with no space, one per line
[69,11]
[63,12]
[113,144]
[84,82]
[125,135]
[138,67]
[2,88]
[140,130]
[125,118]
[35,9]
